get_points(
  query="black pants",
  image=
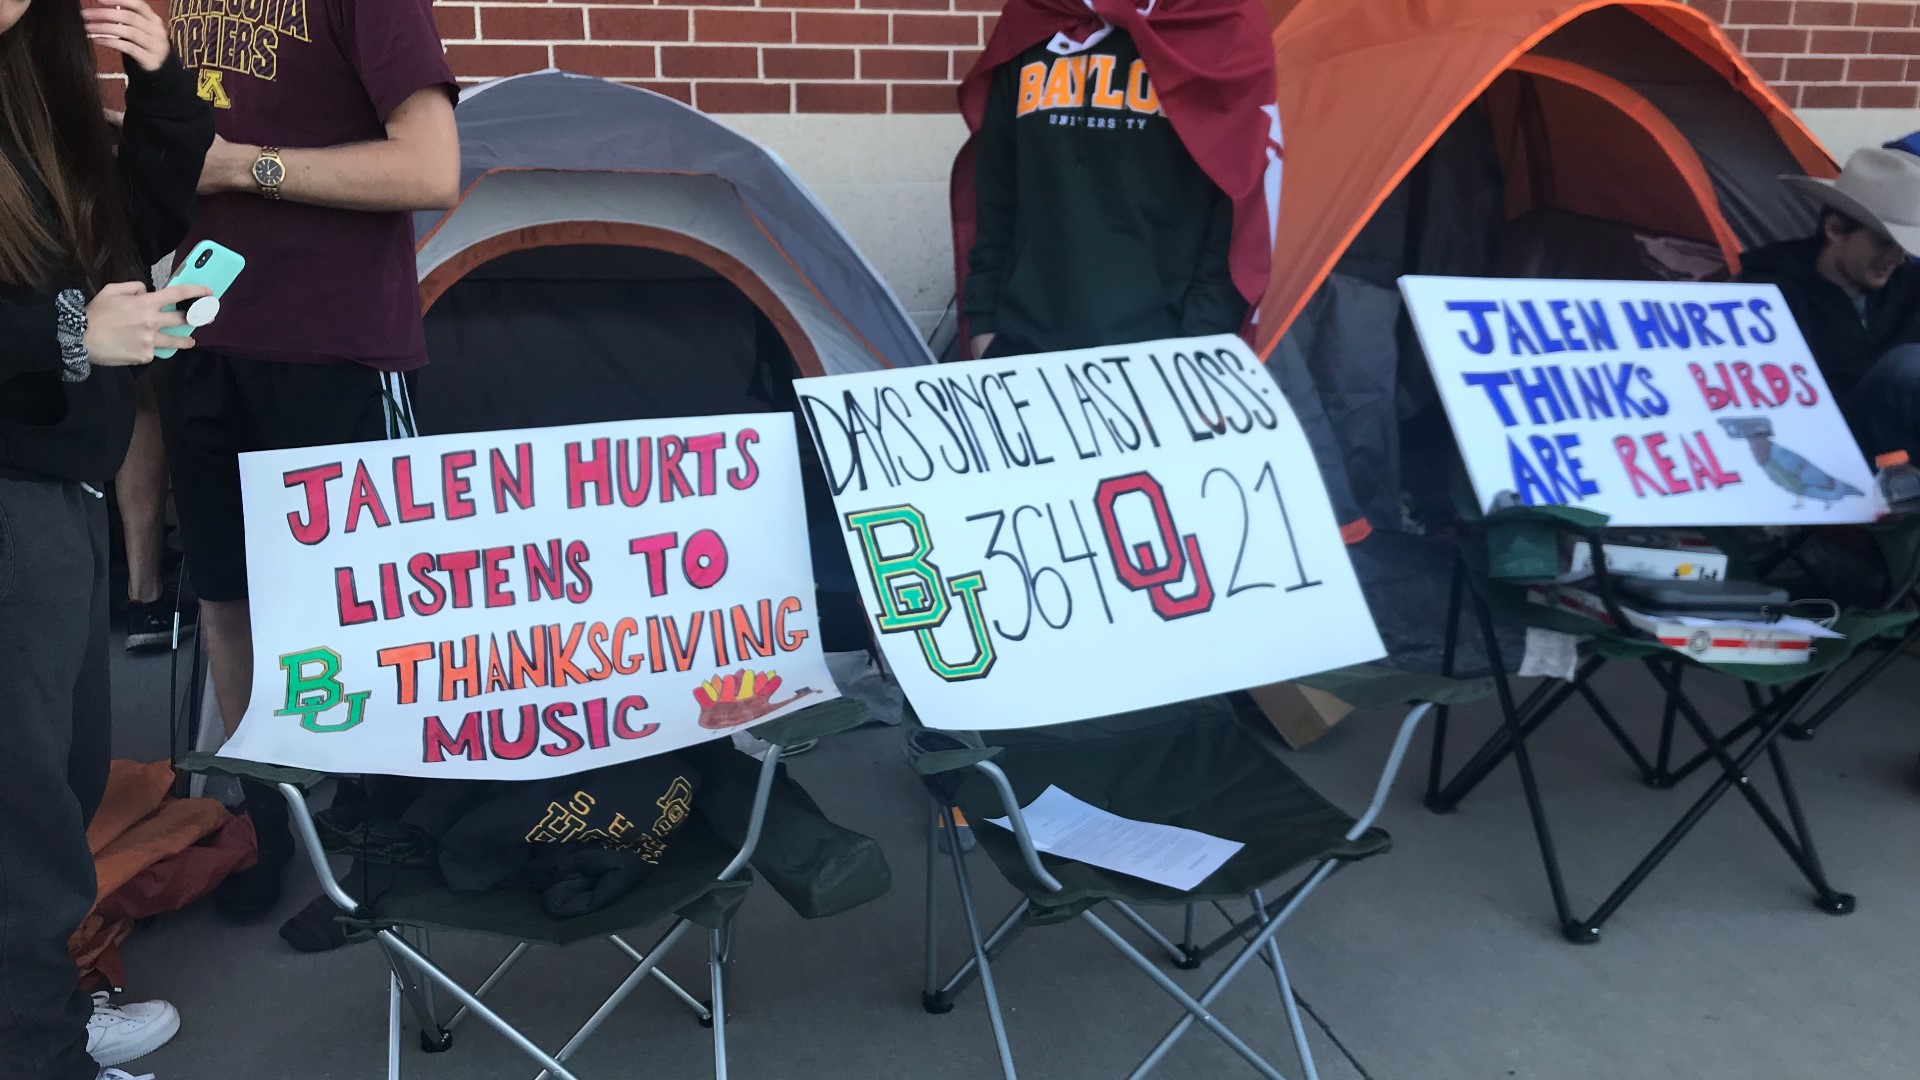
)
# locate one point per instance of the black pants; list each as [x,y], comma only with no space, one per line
[55,726]
[1884,409]
[213,408]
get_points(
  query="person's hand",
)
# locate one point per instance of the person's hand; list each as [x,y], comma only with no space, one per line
[980,344]
[116,117]
[130,27]
[229,167]
[125,320]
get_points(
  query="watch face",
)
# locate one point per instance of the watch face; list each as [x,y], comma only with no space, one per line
[267,172]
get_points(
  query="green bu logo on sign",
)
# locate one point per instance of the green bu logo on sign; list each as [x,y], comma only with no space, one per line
[313,689]
[913,593]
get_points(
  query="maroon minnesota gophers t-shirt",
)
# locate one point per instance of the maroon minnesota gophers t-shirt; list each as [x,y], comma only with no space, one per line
[321,286]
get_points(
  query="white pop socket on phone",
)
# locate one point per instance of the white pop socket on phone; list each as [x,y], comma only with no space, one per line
[203,311]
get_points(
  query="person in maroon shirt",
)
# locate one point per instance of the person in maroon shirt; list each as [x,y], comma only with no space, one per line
[335,121]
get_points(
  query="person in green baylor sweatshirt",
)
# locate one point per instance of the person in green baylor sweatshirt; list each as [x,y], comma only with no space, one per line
[1094,225]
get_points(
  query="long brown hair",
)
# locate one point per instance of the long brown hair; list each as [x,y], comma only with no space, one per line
[50,103]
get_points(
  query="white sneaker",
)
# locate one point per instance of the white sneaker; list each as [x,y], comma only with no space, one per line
[117,1034]
[117,1074]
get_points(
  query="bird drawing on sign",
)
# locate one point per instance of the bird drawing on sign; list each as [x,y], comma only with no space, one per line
[1784,467]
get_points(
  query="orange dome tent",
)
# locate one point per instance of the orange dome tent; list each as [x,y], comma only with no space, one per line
[1538,138]
[1365,89]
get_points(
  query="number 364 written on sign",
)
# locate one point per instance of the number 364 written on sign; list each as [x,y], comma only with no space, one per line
[1122,554]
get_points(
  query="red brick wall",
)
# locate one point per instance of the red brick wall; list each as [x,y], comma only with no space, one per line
[903,56]
[1829,54]
[815,56]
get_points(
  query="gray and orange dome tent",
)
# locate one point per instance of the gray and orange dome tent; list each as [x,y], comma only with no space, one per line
[616,255]
[1526,138]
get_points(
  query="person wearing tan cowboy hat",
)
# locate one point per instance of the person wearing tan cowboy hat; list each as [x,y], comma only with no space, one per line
[1855,291]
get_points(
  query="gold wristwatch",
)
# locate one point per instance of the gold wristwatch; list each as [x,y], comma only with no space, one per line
[269,172]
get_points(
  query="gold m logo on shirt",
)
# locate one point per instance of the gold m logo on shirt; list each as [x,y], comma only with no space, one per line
[213,88]
[1071,82]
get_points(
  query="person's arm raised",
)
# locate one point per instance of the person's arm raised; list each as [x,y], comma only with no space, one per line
[416,167]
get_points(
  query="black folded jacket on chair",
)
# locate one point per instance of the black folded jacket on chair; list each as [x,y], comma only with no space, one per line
[580,879]
[582,841]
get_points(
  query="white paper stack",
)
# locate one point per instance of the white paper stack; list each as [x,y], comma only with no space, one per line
[1164,854]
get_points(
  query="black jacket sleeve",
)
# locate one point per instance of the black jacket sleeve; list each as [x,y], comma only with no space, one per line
[27,342]
[993,200]
[163,146]
[1213,304]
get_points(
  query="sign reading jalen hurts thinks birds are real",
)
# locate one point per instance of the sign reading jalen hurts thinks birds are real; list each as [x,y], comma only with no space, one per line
[1655,403]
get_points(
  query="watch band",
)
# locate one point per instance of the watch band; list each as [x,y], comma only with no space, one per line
[70,328]
[272,191]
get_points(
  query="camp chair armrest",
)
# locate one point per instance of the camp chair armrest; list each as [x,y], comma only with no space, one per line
[998,778]
[1377,686]
[202,763]
[931,752]
[814,722]
[1395,759]
[302,818]
[757,818]
[1570,518]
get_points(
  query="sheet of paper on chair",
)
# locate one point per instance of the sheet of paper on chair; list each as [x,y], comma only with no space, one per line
[1163,854]
[1788,625]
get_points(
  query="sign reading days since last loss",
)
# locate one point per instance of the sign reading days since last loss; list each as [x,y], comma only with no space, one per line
[522,604]
[1051,538]
[1656,403]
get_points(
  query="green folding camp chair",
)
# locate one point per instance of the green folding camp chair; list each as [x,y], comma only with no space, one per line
[1517,545]
[747,813]
[1200,765]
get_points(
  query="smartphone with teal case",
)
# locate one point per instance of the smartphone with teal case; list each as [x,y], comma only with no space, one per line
[208,264]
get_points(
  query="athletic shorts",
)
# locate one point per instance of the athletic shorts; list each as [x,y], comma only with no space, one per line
[213,408]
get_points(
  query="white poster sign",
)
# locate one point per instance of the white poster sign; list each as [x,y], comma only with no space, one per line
[523,604]
[1655,403]
[1058,537]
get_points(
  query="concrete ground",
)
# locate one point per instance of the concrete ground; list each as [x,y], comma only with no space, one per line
[1436,962]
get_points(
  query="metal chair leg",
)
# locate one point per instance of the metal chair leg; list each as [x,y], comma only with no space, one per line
[1828,900]
[1732,777]
[1662,776]
[717,966]
[393,1025]
[1181,957]
[461,994]
[980,952]
[498,973]
[1735,768]
[1436,766]
[1003,934]
[1529,785]
[1197,1010]
[411,973]
[932,987]
[661,977]
[620,995]
[1287,1000]
[1540,706]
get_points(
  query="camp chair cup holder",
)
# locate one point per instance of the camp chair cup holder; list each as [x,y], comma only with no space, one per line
[1255,933]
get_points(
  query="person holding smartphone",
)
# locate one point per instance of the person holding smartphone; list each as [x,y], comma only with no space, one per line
[334,127]
[81,214]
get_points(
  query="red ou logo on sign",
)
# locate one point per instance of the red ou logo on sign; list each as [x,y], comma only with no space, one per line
[1137,566]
